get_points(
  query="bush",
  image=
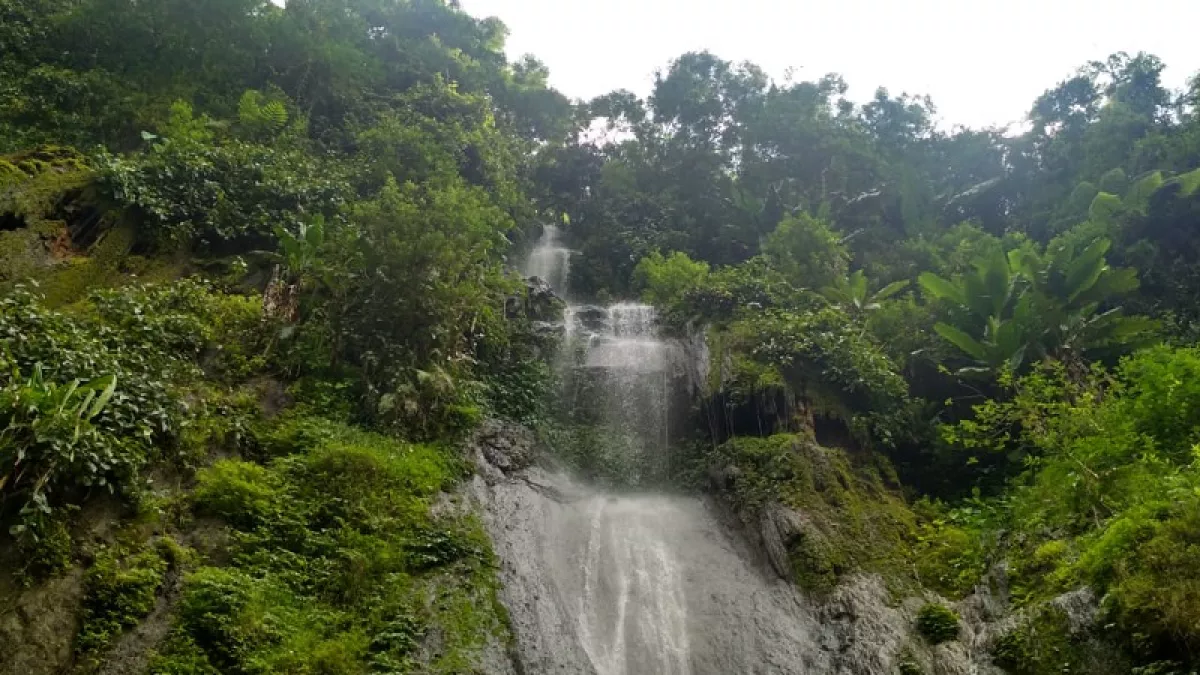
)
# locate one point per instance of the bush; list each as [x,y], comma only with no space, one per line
[46,547]
[663,281]
[949,558]
[1163,397]
[1043,645]
[89,398]
[180,656]
[245,494]
[937,623]
[120,591]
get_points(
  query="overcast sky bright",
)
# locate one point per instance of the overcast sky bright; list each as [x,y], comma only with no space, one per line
[982,61]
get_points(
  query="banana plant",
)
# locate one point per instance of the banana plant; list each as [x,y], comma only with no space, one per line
[991,308]
[301,252]
[1058,304]
[1109,208]
[1077,293]
[44,425]
[851,294]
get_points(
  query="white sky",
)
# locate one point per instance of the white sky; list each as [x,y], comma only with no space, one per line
[982,61]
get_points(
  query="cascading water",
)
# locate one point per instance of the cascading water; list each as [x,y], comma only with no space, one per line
[616,376]
[550,261]
[632,584]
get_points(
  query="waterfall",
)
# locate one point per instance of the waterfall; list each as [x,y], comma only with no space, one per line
[615,373]
[631,584]
[550,261]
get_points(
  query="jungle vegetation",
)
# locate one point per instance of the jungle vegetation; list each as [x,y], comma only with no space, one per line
[257,268]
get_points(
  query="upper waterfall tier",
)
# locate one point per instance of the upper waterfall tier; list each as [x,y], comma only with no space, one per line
[550,261]
[621,336]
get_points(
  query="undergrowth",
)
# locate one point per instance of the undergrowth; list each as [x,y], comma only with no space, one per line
[338,562]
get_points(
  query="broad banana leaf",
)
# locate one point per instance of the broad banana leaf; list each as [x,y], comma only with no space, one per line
[858,286]
[964,342]
[1105,208]
[941,289]
[997,278]
[1190,183]
[1112,283]
[1086,269]
[109,384]
[1138,197]
[890,290]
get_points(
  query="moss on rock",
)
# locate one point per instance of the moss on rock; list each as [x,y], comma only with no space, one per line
[850,520]
[121,589]
[39,193]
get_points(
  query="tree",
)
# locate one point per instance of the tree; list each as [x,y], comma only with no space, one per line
[663,280]
[807,251]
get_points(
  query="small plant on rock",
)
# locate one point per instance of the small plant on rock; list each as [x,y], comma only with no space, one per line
[937,623]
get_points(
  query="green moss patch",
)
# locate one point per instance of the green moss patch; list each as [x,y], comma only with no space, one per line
[122,588]
[857,521]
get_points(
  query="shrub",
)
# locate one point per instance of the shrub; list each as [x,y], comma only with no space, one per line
[1163,397]
[664,280]
[937,623]
[120,591]
[949,557]
[89,398]
[1043,645]
[205,194]
[180,655]
[46,548]
[210,609]
[245,494]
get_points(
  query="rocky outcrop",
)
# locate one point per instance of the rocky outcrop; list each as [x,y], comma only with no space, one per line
[502,446]
[538,302]
[37,630]
[781,530]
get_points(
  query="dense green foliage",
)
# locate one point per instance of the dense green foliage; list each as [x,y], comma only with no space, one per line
[337,563]
[213,217]
[255,270]
[937,623]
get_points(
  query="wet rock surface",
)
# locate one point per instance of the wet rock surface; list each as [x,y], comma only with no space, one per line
[504,447]
[37,628]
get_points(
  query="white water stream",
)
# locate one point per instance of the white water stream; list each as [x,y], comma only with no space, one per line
[633,584]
